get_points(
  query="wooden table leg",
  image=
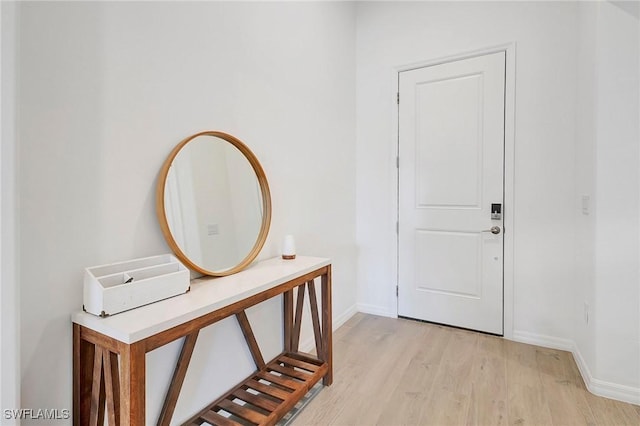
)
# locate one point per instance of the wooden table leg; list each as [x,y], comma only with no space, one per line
[327,331]
[83,360]
[132,385]
[288,319]
[98,394]
[297,319]
[179,373]
[112,385]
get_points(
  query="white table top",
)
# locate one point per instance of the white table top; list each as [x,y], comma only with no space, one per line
[207,294]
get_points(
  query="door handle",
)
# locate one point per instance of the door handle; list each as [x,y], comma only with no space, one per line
[494,230]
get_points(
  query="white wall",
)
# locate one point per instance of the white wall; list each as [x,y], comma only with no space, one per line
[584,288]
[607,164]
[107,89]
[576,134]
[395,34]
[9,290]
[617,270]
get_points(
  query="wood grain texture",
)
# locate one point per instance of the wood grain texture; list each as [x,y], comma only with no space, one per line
[112,386]
[98,395]
[83,360]
[250,338]
[101,379]
[488,398]
[527,403]
[177,380]
[290,372]
[402,372]
[280,380]
[287,315]
[412,394]
[566,406]
[326,353]
[276,392]
[297,319]
[167,336]
[216,419]
[315,318]
[132,380]
[450,397]
[243,412]
[257,400]
[264,397]
[299,363]
[99,339]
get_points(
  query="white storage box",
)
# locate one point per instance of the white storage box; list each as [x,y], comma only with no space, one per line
[118,287]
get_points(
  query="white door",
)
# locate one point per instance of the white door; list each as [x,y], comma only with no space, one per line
[451,156]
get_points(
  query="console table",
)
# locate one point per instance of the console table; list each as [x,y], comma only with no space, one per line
[109,353]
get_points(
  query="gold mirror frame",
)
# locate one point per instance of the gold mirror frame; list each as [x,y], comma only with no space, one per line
[264,190]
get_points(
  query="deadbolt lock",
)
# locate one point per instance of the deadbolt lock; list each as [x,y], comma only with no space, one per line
[496,211]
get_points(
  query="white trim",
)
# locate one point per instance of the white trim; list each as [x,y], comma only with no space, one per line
[602,388]
[509,173]
[344,317]
[598,387]
[381,311]
[543,340]
[393,202]
[509,189]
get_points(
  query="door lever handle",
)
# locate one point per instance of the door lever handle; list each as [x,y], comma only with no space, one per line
[494,230]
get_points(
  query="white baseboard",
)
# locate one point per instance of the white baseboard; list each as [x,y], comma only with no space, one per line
[543,340]
[376,310]
[603,388]
[309,344]
[595,386]
[344,317]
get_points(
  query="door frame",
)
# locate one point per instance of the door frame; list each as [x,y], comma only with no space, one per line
[509,169]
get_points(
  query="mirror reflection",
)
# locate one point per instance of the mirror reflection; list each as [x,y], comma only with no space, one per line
[213,203]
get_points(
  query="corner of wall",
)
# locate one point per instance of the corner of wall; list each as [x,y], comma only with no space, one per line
[543,340]
[9,290]
[381,311]
[596,386]
[601,387]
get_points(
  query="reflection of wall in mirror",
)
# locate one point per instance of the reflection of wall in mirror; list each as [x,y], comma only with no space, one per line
[215,220]
[213,204]
[246,200]
[180,208]
[172,206]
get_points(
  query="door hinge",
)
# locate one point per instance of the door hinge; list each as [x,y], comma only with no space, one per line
[397,162]
[397,227]
[397,98]
[397,291]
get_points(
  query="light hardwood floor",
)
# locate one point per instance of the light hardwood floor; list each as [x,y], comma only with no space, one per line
[400,372]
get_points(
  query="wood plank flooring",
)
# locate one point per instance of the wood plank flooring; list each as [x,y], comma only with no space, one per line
[400,372]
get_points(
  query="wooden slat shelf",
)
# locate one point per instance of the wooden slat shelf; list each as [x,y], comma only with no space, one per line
[109,354]
[267,395]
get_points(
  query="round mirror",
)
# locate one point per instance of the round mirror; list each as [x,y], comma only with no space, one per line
[213,203]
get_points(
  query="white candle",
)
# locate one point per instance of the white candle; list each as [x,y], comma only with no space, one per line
[288,247]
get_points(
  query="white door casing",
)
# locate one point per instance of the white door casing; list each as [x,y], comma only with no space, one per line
[451,149]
